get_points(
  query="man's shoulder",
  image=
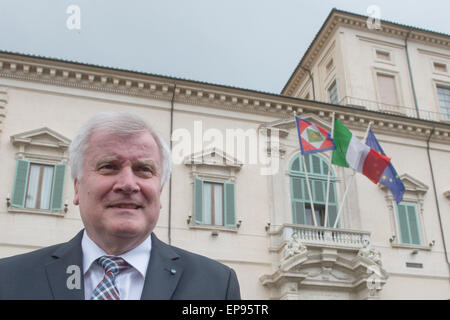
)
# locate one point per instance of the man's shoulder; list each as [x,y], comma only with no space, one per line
[36,258]
[30,259]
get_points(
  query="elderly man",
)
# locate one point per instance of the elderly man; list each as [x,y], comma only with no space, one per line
[119,166]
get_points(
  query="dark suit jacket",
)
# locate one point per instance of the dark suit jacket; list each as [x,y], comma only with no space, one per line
[172,273]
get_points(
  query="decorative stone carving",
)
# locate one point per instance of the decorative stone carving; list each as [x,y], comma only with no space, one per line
[293,247]
[372,254]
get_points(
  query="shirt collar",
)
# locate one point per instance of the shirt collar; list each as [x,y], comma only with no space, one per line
[138,257]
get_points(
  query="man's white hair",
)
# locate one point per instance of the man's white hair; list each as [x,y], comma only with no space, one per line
[122,123]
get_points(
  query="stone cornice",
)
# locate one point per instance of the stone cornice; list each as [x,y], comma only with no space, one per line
[72,75]
[344,19]
[3,103]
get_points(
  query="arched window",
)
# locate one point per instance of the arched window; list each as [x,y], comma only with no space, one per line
[318,174]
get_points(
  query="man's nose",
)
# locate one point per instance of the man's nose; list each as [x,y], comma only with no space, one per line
[126,181]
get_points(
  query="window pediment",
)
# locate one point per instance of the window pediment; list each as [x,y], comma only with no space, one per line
[286,126]
[412,185]
[213,157]
[42,137]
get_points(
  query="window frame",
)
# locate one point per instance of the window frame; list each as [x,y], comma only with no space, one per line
[446,87]
[408,225]
[56,202]
[229,216]
[313,179]
[333,84]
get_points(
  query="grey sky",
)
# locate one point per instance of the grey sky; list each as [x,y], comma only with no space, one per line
[253,44]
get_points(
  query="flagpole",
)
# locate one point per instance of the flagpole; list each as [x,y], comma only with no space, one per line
[329,173]
[309,190]
[307,182]
[351,180]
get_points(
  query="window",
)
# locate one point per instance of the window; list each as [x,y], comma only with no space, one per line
[444,101]
[214,203]
[333,93]
[408,223]
[318,174]
[387,89]
[38,186]
[383,55]
[329,66]
[440,67]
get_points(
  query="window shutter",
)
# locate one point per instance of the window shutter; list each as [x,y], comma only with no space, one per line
[296,184]
[413,224]
[230,204]
[403,224]
[20,183]
[388,94]
[319,189]
[198,200]
[58,187]
[298,209]
[332,215]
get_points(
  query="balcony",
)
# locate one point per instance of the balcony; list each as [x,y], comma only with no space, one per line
[392,109]
[320,237]
[323,263]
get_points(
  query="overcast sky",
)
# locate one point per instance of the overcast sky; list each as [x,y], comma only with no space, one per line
[252,44]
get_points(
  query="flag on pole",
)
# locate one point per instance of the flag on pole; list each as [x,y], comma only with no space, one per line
[312,137]
[352,153]
[389,178]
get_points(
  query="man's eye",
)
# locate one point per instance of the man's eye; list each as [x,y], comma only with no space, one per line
[106,167]
[146,169]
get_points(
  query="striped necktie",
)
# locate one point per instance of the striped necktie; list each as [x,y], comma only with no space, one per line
[107,289]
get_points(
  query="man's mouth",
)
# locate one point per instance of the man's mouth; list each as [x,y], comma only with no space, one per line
[125,206]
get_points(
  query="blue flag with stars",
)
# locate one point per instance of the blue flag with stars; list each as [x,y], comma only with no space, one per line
[389,178]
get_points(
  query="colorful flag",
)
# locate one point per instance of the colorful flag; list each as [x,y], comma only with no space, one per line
[351,152]
[312,137]
[389,178]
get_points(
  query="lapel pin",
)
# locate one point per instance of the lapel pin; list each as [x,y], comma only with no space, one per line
[173,271]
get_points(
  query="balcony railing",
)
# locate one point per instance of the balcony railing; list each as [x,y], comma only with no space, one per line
[392,109]
[320,236]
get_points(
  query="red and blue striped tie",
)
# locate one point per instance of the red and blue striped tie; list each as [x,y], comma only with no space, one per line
[107,289]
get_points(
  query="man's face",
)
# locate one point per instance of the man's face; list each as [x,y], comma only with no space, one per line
[119,192]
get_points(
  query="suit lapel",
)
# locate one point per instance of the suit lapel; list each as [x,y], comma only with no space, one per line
[65,272]
[163,272]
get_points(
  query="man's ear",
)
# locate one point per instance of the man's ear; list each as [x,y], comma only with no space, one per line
[76,199]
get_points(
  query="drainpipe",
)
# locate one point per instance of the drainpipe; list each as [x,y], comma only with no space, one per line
[410,74]
[312,81]
[436,197]
[169,228]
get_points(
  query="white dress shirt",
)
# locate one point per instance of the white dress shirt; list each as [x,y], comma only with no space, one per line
[129,282]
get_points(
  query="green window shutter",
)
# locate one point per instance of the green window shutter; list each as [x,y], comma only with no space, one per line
[296,184]
[58,187]
[198,200]
[319,191]
[296,165]
[332,215]
[230,204]
[298,212]
[20,183]
[413,224]
[316,165]
[403,223]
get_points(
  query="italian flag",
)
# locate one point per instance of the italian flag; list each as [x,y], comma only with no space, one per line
[350,152]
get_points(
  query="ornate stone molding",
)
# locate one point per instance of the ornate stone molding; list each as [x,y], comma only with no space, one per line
[84,77]
[3,104]
[32,144]
[304,271]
